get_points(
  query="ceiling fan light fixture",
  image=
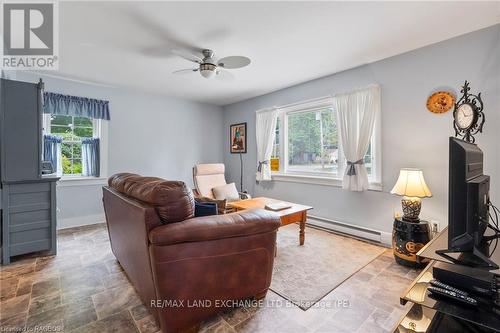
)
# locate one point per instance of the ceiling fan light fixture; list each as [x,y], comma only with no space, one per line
[209,67]
[207,70]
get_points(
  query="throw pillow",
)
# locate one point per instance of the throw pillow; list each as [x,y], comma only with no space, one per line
[221,204]
[228,192]
[205,209]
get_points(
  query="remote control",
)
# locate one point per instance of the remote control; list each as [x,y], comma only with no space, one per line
[453,295]
[439,284]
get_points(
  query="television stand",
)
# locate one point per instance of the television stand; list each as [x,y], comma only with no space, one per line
[475,258]
[430,314]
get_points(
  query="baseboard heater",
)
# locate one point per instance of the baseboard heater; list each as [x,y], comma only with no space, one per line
[349,229]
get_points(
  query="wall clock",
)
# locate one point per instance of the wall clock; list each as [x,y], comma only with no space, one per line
[440,102]
[468,116]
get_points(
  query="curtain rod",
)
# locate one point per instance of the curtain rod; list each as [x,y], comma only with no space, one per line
[317,98]
[306,101]
[373,85]
[293,104]
[52,93]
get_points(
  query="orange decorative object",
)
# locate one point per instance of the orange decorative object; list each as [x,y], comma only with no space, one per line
[275,164]
[440,102]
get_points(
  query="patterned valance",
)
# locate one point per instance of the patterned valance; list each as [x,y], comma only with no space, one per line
[52,138]
[54,103]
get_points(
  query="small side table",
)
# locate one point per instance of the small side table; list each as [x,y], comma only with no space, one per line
[407,239]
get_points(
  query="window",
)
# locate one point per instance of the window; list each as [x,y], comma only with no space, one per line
[308,144]
[313,141]
[72,130]
[276,146]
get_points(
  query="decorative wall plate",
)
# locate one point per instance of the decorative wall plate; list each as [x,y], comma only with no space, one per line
[440,102]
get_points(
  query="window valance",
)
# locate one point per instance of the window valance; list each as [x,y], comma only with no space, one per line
[67,105]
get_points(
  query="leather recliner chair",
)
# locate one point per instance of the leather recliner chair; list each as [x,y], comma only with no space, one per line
[175,260]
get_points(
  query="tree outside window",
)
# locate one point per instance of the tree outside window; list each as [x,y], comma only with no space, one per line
[313,141]
[308,143]
[72,130]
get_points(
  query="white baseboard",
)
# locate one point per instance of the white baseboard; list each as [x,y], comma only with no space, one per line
[80,221]
[386,238]
[382,237]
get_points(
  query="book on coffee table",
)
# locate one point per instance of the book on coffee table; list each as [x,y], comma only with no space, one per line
[277,206]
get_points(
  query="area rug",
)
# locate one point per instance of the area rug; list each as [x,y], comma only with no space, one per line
[305,274]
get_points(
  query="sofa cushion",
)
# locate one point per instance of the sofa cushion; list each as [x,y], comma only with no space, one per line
[228,192]
[172,200]
[243,223]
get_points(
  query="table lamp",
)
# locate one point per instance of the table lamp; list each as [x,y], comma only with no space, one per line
[411,185]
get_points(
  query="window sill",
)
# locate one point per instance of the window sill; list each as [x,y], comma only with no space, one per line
[81,181]
[318,180]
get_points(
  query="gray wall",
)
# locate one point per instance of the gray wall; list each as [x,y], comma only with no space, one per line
[148,134]
[411,135]
[162,136]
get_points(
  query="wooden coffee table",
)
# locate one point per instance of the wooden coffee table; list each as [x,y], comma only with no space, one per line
[296,213]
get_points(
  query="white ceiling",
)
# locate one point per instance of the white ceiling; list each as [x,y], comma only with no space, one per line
[128,44]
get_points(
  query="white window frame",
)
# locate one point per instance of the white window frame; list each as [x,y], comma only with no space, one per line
[325,178]
[99,130]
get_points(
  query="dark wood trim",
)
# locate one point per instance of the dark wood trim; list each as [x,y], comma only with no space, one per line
[231,143]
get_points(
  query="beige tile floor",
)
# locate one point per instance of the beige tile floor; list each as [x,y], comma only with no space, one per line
[83,289]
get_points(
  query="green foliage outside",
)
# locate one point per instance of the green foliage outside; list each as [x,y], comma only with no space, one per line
[313,138]
[313,141]
[72,130]
[68,168]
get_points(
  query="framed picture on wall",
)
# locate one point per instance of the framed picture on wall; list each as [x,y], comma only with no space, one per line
[238,137]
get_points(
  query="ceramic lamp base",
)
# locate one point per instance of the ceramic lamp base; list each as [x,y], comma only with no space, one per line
[407,239]
[411,208]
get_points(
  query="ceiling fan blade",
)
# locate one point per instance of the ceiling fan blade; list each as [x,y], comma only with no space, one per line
[232,62]
[169,40]
[187,55]
[224,75]
[185,71]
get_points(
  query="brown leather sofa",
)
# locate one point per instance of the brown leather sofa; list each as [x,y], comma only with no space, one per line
[175,260]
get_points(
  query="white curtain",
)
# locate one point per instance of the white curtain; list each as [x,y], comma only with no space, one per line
[356,114]
[265,130]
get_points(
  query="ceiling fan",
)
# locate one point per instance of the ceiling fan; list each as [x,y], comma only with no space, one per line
[208,66]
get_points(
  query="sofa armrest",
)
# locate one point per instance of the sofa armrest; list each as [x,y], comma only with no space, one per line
[240,224]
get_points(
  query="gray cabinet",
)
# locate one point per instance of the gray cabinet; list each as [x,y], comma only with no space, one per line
[21,131]
[28,200]
[28,217]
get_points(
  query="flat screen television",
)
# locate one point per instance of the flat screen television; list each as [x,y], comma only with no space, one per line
[468,200]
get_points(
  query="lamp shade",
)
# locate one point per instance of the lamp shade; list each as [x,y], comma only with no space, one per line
[411,183]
